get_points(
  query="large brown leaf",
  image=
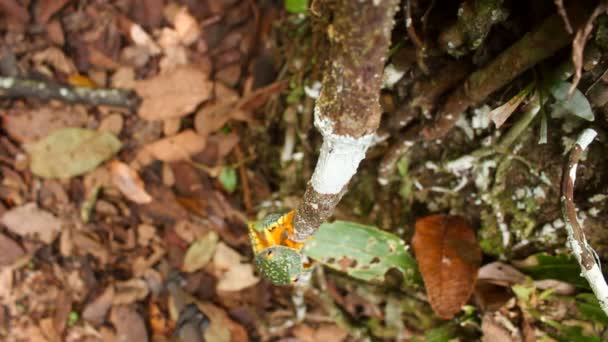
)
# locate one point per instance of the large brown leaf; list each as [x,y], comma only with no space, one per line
[448,257]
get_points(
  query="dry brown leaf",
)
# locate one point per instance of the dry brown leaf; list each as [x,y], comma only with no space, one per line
[112,123]
[174,94]
[200,252]
[128,182]
[178,147]
[129,324]
[231,273]
[186,26]
[95,311]
[219,327]
[30,221]
[86,244]
[140,37]
[45,9]
[11,251]
[31,125]
[493,331]
[14,11]
[499,273]
[130,291]
[448,257]
[57,59]
[124,78]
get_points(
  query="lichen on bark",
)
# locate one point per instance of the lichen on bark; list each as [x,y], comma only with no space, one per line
[347,112]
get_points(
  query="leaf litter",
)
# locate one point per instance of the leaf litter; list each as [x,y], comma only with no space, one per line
[170,199]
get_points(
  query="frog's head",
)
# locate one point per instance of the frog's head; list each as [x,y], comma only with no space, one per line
[280,264]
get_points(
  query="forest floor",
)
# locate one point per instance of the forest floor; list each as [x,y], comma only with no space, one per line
[125,217]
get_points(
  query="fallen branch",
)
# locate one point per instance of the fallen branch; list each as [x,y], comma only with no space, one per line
[584,254]
[532,48]
[12,87]
[347,112]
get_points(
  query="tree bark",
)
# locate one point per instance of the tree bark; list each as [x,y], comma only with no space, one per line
[347,112]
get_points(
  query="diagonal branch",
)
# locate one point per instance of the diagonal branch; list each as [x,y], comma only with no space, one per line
[586,256]
[347,112]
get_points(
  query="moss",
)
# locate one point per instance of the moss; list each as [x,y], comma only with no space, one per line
[490,238]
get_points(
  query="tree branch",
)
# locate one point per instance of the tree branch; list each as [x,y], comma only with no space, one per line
[347,112]
[47,90]
[584,254]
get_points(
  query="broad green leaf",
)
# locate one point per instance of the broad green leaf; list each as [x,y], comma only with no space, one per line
[228,178]
[70,152]
[362,252]
[561,267]
[296,6]
[588,305]
[576,105]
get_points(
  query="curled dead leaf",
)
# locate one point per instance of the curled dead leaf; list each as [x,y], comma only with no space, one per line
[128,182]
[448,257]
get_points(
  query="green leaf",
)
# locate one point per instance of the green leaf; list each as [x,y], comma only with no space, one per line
[296,6]
[440,334]
[70,152]
[577,104]
[362,252]
[588,305]
[571,333]
[561,267]
[228,178]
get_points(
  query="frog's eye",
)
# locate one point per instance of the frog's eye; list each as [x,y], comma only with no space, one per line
[268,254]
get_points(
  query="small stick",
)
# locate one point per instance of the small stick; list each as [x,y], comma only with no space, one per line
[577,243]
[244,180]
[46,90]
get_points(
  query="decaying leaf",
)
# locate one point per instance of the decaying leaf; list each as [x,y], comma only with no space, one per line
[71,152]
[30,125]
[128,182]
[30,221]
[173,94]
[363,252]
[499,273]
[232,274]
[95,311]
[501,113]
[178,147]
[448,257]
[11,251]
[200,252]
[130,291]
[129,324]
[186,26]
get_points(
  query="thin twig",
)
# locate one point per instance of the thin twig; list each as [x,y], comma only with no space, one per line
[12,87]
[578,45]
[584,254]
[562,13]
[244,179]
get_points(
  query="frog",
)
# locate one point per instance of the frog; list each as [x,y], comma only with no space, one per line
[278,258]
